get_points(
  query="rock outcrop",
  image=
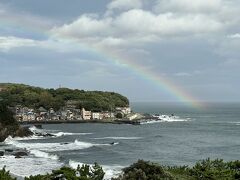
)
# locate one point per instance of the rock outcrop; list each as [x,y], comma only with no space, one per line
[20,154]
[1,153]
[14,131]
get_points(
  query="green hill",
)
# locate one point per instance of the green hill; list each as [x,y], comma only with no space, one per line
[35,97]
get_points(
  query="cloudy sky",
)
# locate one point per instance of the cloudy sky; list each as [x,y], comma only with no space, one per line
[145,49]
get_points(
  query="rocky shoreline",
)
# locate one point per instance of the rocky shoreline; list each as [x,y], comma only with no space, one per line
[20,132]
[14,131]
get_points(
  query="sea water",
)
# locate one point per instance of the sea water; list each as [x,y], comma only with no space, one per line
[211,131]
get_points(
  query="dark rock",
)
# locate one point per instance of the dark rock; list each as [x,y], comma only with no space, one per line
[14,131]
[1,153]
[64,143]
[43,134]
[20,154]
[38,126]
[48,134]
[8,150]
[23,132]
[4,133]
[112,143]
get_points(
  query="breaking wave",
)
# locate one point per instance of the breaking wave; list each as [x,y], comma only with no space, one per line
[42,154]
[165,118]
[120,138]
[29,165]
[59,134]
[56,134]
[52,147]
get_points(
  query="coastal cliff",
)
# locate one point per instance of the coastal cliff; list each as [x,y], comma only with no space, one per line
[9,126]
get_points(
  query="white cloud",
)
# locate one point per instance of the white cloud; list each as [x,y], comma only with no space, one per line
[124,4]
[188,5]
[147,23]
[234,36]
[135,26]
[85,25]
[9,42]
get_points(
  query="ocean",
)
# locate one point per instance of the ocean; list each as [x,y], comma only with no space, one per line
[210,132]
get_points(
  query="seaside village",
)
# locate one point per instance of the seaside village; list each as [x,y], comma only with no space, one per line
[70,112]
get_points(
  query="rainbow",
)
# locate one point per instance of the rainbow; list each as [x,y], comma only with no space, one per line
[145,73]
[159,81]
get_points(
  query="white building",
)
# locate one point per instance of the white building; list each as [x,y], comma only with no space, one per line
[124,110]
[86,115]
[95,115]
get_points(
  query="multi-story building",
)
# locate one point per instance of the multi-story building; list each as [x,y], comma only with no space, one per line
[86,115]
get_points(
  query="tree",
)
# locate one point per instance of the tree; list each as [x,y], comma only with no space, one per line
[6,116]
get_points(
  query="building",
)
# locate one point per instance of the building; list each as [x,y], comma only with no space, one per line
[42,111]
[86,115]
[124,110]
[95,115]
[106,115]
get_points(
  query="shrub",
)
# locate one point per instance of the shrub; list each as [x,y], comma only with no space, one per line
[84,172]
[5,175]
[145,170]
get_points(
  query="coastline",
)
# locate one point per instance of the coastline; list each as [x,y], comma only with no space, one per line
[123,121]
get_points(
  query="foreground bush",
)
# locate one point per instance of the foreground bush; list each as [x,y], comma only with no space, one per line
[145,170]
[202,170]
[216,169]
[4,175]
[85,172]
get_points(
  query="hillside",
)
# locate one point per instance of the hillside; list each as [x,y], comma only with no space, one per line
[35,97]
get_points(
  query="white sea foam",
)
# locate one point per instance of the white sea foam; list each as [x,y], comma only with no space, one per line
[36,130]
[59,134]
[165,118]
[235,123]
[29,165]
[28,138]
[110,171]
[120,138]
[52,147]
[42,154]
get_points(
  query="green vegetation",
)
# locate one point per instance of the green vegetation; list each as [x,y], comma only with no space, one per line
[35,97]
[202,170]
[145,170]
[6,116]
[8,125]
[4,175]
[85,172]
